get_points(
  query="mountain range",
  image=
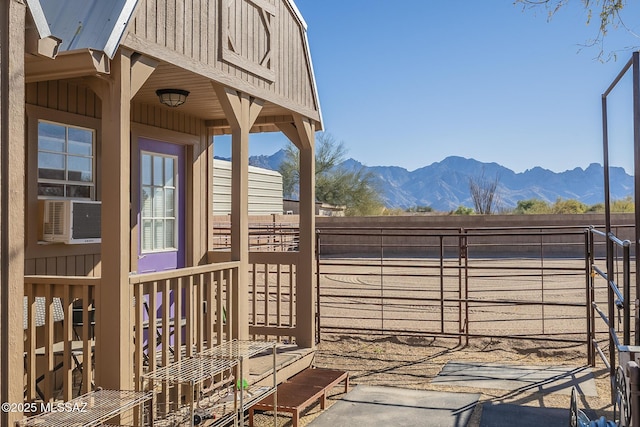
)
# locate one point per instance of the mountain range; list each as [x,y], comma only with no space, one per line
[444,185]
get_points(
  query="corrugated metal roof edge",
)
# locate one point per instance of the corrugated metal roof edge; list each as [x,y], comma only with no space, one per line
[119,28]
[39,18]
[111,43]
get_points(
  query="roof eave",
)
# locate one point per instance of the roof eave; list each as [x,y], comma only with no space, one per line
[303,24]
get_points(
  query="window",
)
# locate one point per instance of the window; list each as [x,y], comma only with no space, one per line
[65,161]
[159,202]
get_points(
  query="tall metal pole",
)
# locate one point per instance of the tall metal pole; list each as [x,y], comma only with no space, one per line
[607,215]
[636,168]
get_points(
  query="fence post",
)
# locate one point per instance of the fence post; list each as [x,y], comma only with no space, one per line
[587,273]
[442,284]
[542,278]
[463,262]
[382,280]
[318,337]
[626,267]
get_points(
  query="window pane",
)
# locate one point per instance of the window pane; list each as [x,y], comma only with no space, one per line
[51,166]
[52,190]
[147,235]
[168,171]
[146,202]
[145,172]
[65,154]
[79,191]
[169,202]
[158,179]
[158,240]
[79,169]
[169,234]
[158,203]
[80,141]
[51,137]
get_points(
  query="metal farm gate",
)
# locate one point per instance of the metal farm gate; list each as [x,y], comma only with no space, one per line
[522,283]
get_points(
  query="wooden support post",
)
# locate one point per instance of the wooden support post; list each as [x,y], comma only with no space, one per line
[12,187]
[241,111]
[305,300]
[200,199]
[302,133]
[114,340]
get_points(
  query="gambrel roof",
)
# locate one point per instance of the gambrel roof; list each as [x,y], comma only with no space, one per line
[259,47]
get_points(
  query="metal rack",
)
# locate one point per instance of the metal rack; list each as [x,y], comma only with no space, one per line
[208,388]
[92,409]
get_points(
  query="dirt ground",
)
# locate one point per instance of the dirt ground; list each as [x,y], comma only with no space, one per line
[353,294]
[412,362]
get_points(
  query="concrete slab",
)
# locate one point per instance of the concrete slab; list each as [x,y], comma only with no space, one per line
[544,379]
[502,415]
[374,406]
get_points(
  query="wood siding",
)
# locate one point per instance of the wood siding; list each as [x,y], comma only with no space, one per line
[64,265]
[192,33]
[162,118]
[70,103]
[64,96]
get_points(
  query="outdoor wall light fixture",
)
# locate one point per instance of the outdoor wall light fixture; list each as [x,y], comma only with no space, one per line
[172,97]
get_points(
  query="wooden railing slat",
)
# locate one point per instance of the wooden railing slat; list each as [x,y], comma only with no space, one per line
[67,368]
[184,294]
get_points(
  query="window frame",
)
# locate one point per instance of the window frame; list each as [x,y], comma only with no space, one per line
[66,182]
[35,247]
[153,217]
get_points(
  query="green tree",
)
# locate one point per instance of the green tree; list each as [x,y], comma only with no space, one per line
[625,205]
[532,206]
[335,184]
[608,13]
[463,210]
[568,206]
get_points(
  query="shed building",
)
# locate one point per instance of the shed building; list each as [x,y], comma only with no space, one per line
[265,190]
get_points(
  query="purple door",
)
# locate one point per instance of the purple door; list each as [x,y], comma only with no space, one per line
[161,213]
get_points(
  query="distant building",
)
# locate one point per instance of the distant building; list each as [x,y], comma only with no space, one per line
[292,207]
[265,190]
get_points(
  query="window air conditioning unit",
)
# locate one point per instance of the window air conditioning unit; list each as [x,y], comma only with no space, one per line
[71,221]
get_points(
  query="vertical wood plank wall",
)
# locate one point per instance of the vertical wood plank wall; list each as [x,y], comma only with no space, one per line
[58,260]
[159,117]
[68,97]
[65,97]
[191,28]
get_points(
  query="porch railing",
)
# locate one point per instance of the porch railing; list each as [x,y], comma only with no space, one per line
[178,313]
[59,339]
[273,282]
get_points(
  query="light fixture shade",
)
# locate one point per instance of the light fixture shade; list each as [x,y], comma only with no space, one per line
[172,97]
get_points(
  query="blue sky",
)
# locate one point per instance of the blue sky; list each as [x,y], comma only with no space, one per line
[410,82]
